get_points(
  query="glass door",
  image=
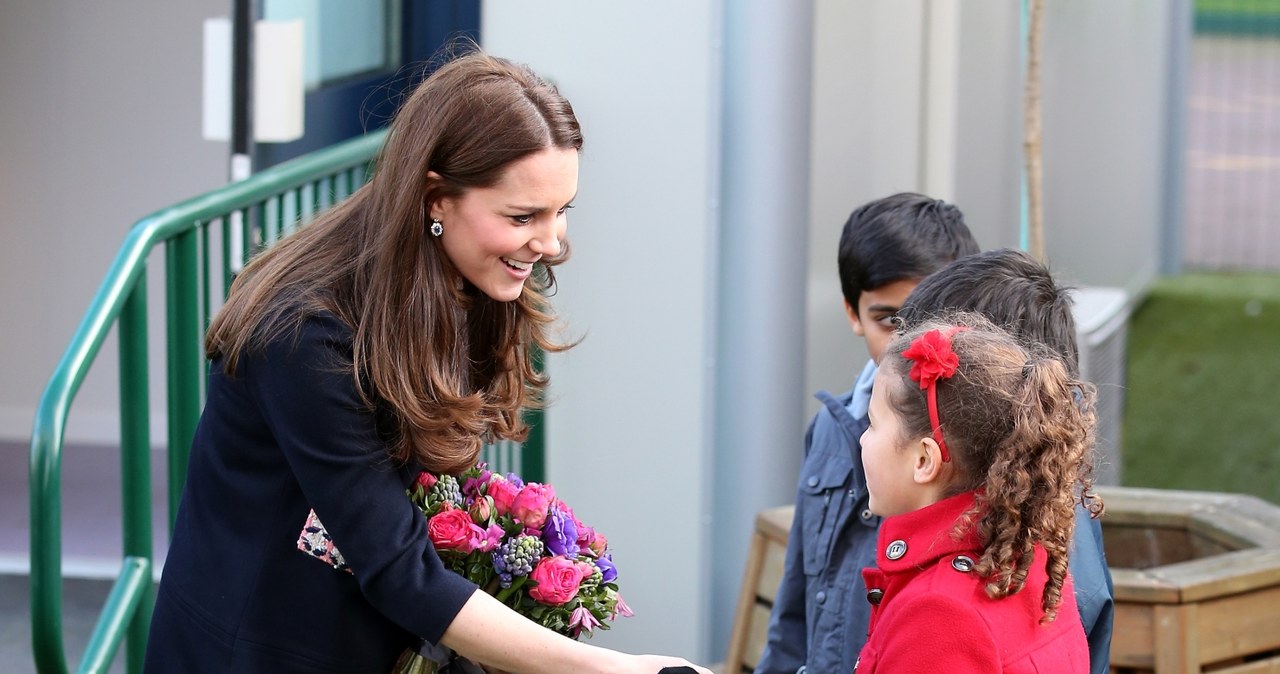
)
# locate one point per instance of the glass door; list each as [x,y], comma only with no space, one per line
[360,58]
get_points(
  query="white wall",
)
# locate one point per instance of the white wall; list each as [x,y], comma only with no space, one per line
[866,143]
[1104,138]
[1104,82]
[100,123]
[629,431]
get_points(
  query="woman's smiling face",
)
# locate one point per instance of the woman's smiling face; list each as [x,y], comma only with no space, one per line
[494,235]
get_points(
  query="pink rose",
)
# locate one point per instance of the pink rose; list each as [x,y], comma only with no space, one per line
[598,543]
[426,480]
[532,503]
[557,579]
[451,529]
[503,492]
[482,510]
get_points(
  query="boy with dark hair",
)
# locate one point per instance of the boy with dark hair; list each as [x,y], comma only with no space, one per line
[819,619]
[1019,294]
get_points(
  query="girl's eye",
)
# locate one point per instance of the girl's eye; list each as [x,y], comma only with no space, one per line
[563,210]
[522,219]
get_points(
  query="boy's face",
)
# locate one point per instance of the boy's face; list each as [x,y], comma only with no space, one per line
[873,317]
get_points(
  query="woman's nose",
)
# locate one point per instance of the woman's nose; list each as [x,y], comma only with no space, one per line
[547,242]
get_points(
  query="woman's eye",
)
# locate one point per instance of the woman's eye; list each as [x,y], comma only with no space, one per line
[564,210]
[522,219]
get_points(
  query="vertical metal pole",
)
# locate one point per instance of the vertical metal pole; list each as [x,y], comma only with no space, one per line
[185,360]
[533,452]
[1181,28]
[135,458]
[760,333]
[243,14]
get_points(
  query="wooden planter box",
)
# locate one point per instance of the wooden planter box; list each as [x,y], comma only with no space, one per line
[1197,581]
[1196,574]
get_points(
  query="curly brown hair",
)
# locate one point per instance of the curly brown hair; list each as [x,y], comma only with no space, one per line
[1019,427]
[449,366]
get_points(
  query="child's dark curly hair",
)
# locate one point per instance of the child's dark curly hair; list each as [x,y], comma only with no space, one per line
[1019,428]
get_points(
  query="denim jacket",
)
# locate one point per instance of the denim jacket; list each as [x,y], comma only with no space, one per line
[820,615]
[819,619]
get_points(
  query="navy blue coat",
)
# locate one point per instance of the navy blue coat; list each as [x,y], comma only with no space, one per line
[289,433]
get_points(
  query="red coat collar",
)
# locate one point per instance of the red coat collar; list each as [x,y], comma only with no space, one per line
[918,539]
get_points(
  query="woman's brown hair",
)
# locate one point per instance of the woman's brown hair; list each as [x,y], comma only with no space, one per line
[1019,428]
[449,366]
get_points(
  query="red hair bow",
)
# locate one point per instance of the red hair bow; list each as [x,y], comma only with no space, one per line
[932,359]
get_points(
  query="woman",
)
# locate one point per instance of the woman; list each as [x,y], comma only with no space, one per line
[392,335]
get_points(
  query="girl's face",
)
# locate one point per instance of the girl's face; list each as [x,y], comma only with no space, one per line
[494,235]
[886,458]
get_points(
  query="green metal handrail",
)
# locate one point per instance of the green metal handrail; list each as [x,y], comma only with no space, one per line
[262,208]
[257,211]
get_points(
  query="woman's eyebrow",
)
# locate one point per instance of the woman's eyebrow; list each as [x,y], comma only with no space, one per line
[538,209]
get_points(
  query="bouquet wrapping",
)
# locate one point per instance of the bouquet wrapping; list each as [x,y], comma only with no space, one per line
[515,540]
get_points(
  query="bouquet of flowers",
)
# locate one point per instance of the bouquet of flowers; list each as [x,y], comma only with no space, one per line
[516,541]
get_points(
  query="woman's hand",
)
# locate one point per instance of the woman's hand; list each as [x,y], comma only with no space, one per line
[487,631]
[661,664]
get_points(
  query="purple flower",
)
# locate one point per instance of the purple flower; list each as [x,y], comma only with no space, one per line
[471,487]
[560,533]
[581,619]
[487,540]
[515,479]
[622,609]
[608,572]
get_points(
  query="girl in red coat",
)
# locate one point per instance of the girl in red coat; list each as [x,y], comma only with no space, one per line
[978,450]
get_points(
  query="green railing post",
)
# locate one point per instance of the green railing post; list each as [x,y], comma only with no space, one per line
[135,458]
[119,617]
[185,357]
[46,547]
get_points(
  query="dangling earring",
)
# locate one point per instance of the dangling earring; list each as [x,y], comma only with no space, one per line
[436,228]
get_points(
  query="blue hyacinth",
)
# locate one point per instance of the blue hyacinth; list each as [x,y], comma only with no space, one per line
[516,558]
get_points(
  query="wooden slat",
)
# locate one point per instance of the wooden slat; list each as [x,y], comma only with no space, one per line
[1222,575]
[776,523]
[775,560]
[1133,640]
[757,636]
[1176,646]
[1239,625]
[742,628]
[1268,666]
[1142,587]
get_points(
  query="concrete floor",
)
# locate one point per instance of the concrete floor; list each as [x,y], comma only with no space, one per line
[82,599]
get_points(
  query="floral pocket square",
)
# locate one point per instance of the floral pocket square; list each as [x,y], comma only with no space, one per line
[317,542]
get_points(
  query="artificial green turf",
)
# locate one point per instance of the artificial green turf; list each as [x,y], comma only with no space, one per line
[1239,6]
[1203,401]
